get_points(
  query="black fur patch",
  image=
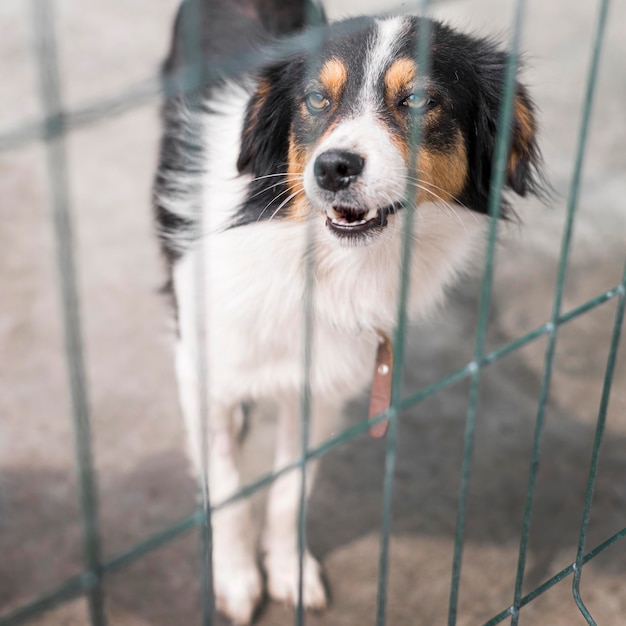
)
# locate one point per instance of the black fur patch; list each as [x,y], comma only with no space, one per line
[209,32]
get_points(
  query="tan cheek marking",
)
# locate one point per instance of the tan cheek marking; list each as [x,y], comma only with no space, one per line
[333,77]
[399,77]
[447,170]
[402,144]
[297,156]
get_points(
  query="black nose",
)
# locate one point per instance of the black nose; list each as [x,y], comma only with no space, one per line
[335,170]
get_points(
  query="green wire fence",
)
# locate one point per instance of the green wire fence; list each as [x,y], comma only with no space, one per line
[52,130]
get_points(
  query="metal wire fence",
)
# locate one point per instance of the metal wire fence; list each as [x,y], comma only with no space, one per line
[52,130]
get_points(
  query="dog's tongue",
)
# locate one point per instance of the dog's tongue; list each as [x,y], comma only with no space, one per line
[380,397]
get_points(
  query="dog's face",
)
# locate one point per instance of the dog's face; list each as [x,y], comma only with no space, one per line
[331,134]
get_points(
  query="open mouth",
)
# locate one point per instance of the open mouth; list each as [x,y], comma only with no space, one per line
[351,222]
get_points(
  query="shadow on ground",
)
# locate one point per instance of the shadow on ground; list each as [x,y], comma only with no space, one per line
[40,542]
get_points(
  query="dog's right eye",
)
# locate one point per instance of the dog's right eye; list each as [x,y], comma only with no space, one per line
[316,102]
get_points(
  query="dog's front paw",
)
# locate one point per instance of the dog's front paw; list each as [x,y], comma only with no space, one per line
[238,589]
[282,580]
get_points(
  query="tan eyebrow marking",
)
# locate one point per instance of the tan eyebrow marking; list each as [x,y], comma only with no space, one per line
[400,76]
[333,77]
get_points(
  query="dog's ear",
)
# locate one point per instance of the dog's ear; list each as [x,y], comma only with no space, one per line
[265,134]
[524,160]
[523,170]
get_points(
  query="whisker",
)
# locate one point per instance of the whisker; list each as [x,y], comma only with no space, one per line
[281,182]
[441,201]
[282,204]
[422,181]
[269,204]
[285,174]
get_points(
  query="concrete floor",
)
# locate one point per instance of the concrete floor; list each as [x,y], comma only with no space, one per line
[138,437]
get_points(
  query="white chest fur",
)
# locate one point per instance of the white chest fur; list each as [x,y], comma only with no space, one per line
[254,281]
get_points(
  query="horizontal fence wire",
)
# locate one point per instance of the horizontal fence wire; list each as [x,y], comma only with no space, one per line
[141,94]
[57,122]
[73,587]
[557,578]
[147,91]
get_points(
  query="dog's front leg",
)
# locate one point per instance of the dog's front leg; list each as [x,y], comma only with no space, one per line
[280,538]
[236,578]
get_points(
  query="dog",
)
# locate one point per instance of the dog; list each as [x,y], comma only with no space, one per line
[303,163]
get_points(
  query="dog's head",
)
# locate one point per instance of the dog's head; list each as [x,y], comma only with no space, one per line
[330,134]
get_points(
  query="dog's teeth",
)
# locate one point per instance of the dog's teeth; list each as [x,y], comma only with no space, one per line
[332,213]
[342,221]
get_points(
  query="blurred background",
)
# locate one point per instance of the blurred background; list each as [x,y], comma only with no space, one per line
[107,47]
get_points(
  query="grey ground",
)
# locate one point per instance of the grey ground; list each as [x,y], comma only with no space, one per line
[107,46]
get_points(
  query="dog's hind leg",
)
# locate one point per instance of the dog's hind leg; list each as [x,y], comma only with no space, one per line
[280,537]
[236,577]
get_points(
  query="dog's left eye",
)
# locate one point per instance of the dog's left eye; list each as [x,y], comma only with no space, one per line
[415,102]
[316,101]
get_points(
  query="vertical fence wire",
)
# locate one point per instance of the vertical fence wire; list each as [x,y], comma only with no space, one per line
[305,414]
[194,80]
[595,454]
[422,56]
[556,309]
[91,581]
[312,18]
[503,140]
[46,53]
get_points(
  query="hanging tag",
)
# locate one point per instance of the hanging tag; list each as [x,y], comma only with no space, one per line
[380,397]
